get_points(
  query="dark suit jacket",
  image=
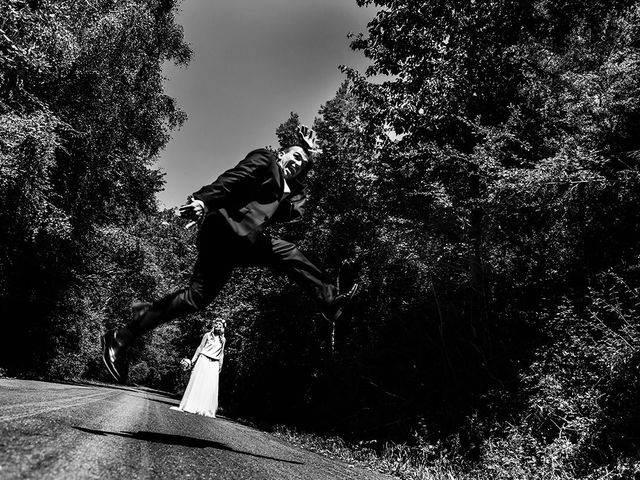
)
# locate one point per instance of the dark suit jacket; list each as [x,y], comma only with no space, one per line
[251,195]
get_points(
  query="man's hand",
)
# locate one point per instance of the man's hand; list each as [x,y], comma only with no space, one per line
[192,211]
[308,136]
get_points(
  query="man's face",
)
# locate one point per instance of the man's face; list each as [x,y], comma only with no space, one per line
[291,160]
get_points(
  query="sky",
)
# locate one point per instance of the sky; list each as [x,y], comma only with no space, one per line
[254,62]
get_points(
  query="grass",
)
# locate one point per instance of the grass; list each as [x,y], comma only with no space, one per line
[401,461]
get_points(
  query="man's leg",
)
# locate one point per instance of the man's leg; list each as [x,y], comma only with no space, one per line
[206,281]
[209,276]
[285,256]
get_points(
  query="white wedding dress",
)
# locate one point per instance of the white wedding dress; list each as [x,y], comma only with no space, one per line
[201,395]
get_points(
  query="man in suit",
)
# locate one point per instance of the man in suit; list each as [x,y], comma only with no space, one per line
[233,212]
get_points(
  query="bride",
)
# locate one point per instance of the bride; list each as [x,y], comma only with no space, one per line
[201,395]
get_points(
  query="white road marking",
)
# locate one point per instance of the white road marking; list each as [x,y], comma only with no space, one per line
[86,400]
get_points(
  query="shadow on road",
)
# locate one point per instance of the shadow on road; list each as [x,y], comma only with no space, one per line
[170,439]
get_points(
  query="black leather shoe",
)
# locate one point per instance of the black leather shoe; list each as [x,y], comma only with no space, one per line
[111,353]
[340,303]
[115,342]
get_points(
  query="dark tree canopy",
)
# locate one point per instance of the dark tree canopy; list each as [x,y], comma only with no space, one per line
[82,117]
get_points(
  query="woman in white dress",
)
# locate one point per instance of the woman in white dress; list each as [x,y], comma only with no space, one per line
[201,395]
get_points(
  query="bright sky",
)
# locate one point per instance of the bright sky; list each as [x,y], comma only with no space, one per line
[254,62]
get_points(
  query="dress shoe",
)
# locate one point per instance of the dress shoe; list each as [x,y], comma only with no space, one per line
[337,308]
[115,342]
[112,353]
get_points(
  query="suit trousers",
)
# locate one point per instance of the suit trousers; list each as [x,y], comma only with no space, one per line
[219,252]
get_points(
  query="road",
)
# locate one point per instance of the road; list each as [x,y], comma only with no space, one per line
[78,431]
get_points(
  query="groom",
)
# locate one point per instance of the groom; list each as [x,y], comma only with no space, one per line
[232,213]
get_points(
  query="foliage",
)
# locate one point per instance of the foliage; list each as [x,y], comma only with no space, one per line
[399,460]
[503,182]
[82,116]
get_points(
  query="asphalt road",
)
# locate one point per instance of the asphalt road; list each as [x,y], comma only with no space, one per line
[69,431]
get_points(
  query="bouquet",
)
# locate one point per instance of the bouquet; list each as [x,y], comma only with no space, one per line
[185,363]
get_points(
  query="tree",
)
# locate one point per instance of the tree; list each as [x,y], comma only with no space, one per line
[506,172]
[82,117]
